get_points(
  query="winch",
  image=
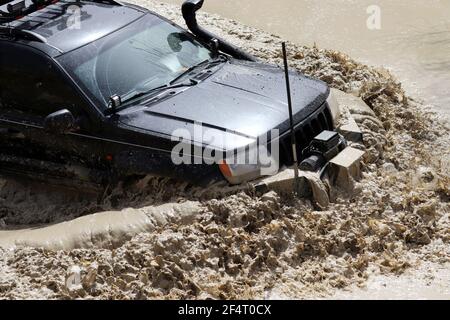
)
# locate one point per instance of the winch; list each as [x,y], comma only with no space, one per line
[322,149]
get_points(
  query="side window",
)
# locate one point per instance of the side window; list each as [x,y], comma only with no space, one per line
[29,84]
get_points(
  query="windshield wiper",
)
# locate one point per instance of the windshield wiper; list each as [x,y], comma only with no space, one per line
[206,63]
[133,95]
[189,70]
[138,94]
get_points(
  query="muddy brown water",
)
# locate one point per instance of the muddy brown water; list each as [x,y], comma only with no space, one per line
[413,41]
[317,251]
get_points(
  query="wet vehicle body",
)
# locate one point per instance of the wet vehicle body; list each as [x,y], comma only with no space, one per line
[96,98]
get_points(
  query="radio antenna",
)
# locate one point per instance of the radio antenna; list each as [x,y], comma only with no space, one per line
[291,119]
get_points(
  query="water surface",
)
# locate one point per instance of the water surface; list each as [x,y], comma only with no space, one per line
[413,42]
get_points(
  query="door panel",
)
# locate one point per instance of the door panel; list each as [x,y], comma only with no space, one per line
[31,88]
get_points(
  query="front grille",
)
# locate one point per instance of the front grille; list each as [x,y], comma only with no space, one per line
[304,133]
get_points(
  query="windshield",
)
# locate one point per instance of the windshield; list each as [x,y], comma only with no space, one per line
[145,55]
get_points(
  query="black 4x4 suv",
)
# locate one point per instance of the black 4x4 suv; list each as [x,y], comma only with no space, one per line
[94,90]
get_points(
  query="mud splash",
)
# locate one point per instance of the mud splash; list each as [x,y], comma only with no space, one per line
[244,245]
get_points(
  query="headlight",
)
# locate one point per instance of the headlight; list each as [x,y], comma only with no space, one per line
[239,169]
[333,104]
[239,173]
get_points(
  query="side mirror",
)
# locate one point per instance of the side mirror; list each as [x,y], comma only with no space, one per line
[59,122]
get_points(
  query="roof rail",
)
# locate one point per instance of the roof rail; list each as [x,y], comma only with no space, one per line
[2,2]
[24,34]
[19,9]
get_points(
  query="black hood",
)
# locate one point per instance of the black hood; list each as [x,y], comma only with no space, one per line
[246,99]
